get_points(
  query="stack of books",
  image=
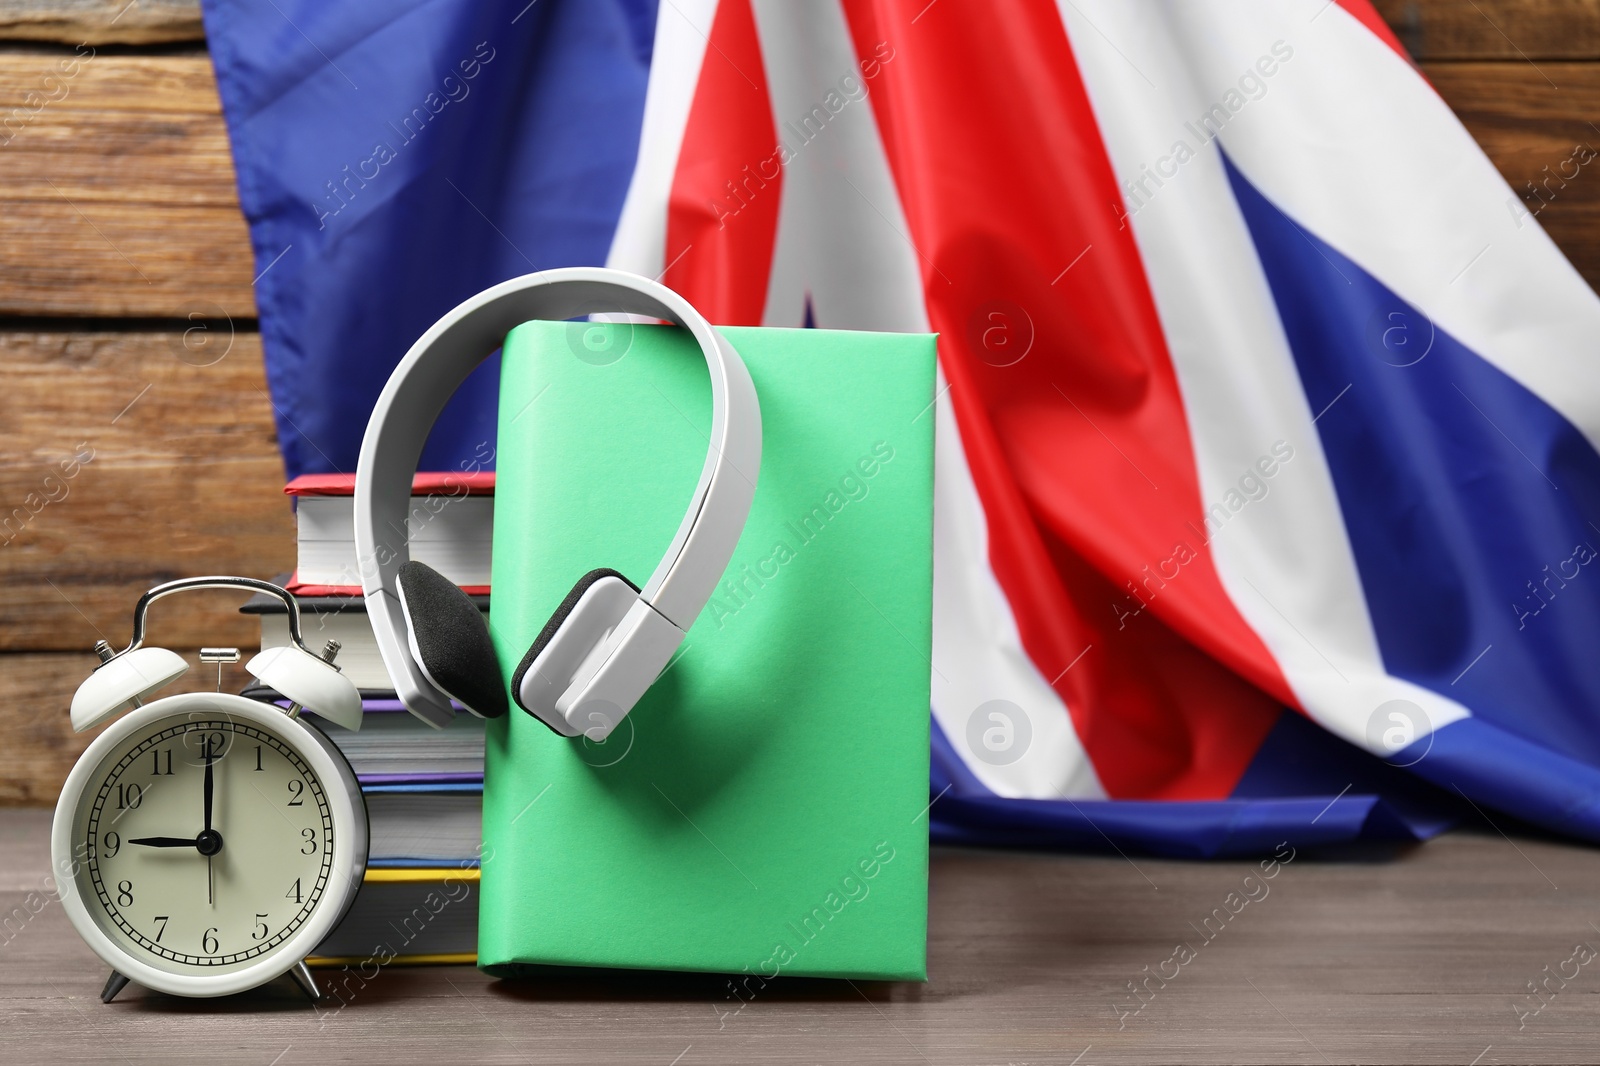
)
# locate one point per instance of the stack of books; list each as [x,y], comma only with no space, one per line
[423,787]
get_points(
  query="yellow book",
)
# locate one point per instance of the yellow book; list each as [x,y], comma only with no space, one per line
[412,916]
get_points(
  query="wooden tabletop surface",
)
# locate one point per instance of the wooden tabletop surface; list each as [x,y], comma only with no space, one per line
[1421,955]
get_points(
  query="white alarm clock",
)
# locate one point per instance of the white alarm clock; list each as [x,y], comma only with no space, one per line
[205,843]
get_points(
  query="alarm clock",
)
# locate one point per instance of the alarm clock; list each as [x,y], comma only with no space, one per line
[205,843]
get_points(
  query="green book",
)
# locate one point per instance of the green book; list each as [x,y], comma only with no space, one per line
[763,809]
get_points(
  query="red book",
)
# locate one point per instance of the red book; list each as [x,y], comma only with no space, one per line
[451,529]
[425,483]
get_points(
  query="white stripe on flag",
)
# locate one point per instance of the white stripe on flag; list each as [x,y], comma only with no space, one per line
[1284,559]
[843,240]
[682,30]
[1358,149]
[977,652]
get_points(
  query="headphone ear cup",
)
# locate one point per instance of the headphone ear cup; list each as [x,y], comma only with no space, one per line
[450,641]
[553,626]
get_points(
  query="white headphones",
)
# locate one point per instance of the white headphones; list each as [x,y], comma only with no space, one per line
[609,639]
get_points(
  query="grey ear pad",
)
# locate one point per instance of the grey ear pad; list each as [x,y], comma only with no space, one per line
[554,624]
[451,639]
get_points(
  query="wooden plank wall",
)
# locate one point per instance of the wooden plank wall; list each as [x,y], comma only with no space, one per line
[128,331]
[128,338]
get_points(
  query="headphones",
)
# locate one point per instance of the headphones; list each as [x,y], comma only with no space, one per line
[295,671]
[609,639]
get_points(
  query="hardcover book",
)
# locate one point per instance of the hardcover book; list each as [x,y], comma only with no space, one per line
[450,522]
[762,809]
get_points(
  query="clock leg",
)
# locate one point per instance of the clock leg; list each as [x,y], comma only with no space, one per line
[114,984]
[302,977]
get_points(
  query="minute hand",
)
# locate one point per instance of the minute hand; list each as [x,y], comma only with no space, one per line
[208,789]
[206,834]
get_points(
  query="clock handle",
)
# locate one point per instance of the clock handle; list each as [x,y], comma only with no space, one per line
[185,584]
[308,679]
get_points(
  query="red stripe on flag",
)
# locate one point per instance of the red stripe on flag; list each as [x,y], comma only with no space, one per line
[1065,394]
[722,213]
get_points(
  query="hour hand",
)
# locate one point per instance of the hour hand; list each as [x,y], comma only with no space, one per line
[166,842]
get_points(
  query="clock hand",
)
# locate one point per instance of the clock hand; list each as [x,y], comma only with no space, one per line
[165,842]
[211,892]
[209,782]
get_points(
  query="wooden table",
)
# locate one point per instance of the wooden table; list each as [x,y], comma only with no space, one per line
[1423,955]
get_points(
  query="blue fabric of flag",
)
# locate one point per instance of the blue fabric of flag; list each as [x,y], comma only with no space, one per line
[1469,501]
[394,159]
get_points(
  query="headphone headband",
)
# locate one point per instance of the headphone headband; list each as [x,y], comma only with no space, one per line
[441,360]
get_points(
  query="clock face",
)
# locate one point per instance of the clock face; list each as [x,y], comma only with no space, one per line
[192,893]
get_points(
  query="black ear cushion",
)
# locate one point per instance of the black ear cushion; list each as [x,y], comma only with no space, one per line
[556,619]
[452,639]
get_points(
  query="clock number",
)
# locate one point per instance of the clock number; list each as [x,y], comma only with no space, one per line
[124,893]
[155,763]
[211,745]
[258,757]
[129,797]
[294,892]
[260,931]
[310,847]
[162,918]
[208,943]
[297,789]
[111,843]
